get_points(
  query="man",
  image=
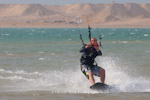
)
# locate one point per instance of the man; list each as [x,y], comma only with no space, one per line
[89,53]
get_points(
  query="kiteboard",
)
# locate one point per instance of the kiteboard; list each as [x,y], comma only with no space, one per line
[100,87]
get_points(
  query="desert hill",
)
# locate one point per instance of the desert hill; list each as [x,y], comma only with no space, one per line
[106,14]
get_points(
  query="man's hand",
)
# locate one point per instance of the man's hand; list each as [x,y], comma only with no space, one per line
[96,46]
[88,45]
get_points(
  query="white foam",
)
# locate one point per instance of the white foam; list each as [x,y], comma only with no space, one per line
[69,81]
[16,78]
[63,82]
[42,58]
[5,34]
[123,41]
[41,52]
[9,54]
[52,54]
[132,33]
[146,35]
[136,29]
[73,80]
[21,72]
[118,77]
[147,51]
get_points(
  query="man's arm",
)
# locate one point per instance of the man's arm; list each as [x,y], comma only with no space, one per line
[83,48]
[98,50]
[88,45]
[99,53]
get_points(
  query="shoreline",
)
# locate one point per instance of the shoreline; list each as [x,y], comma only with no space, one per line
[70,26]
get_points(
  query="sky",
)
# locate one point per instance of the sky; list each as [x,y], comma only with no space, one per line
[64,2]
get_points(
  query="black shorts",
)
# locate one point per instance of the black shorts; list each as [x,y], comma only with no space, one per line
[94,69]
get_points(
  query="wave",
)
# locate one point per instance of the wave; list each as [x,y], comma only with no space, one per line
[73,81]
[118,76]
[21,72]
[130,42]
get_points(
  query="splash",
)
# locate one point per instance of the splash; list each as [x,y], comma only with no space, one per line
[73,81]
[67,81]
[118,76]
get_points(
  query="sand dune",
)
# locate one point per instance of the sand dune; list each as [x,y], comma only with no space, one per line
[106,14]
[37,10]
[24,10]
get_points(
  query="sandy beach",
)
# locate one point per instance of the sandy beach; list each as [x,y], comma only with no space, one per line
[72,16]
[53,25]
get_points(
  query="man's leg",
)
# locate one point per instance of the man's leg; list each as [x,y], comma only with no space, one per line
[91,78]
[102,75]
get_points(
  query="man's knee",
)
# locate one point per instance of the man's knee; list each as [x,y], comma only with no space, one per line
[90,74]
[102,71]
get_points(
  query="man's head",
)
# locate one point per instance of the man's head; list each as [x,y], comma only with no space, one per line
[94,41]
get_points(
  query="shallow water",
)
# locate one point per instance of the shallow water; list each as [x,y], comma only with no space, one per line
[46,95]
[45,62]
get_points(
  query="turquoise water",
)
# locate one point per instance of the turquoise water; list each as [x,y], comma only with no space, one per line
[44,59]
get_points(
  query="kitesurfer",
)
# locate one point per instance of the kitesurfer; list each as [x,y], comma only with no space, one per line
[89,52]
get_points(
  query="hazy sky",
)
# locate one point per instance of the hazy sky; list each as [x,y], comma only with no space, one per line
[60,2]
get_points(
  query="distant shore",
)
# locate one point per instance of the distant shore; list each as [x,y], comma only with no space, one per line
[43,25]
[115,15]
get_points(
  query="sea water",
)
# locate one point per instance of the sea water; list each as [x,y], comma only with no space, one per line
[46,61]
